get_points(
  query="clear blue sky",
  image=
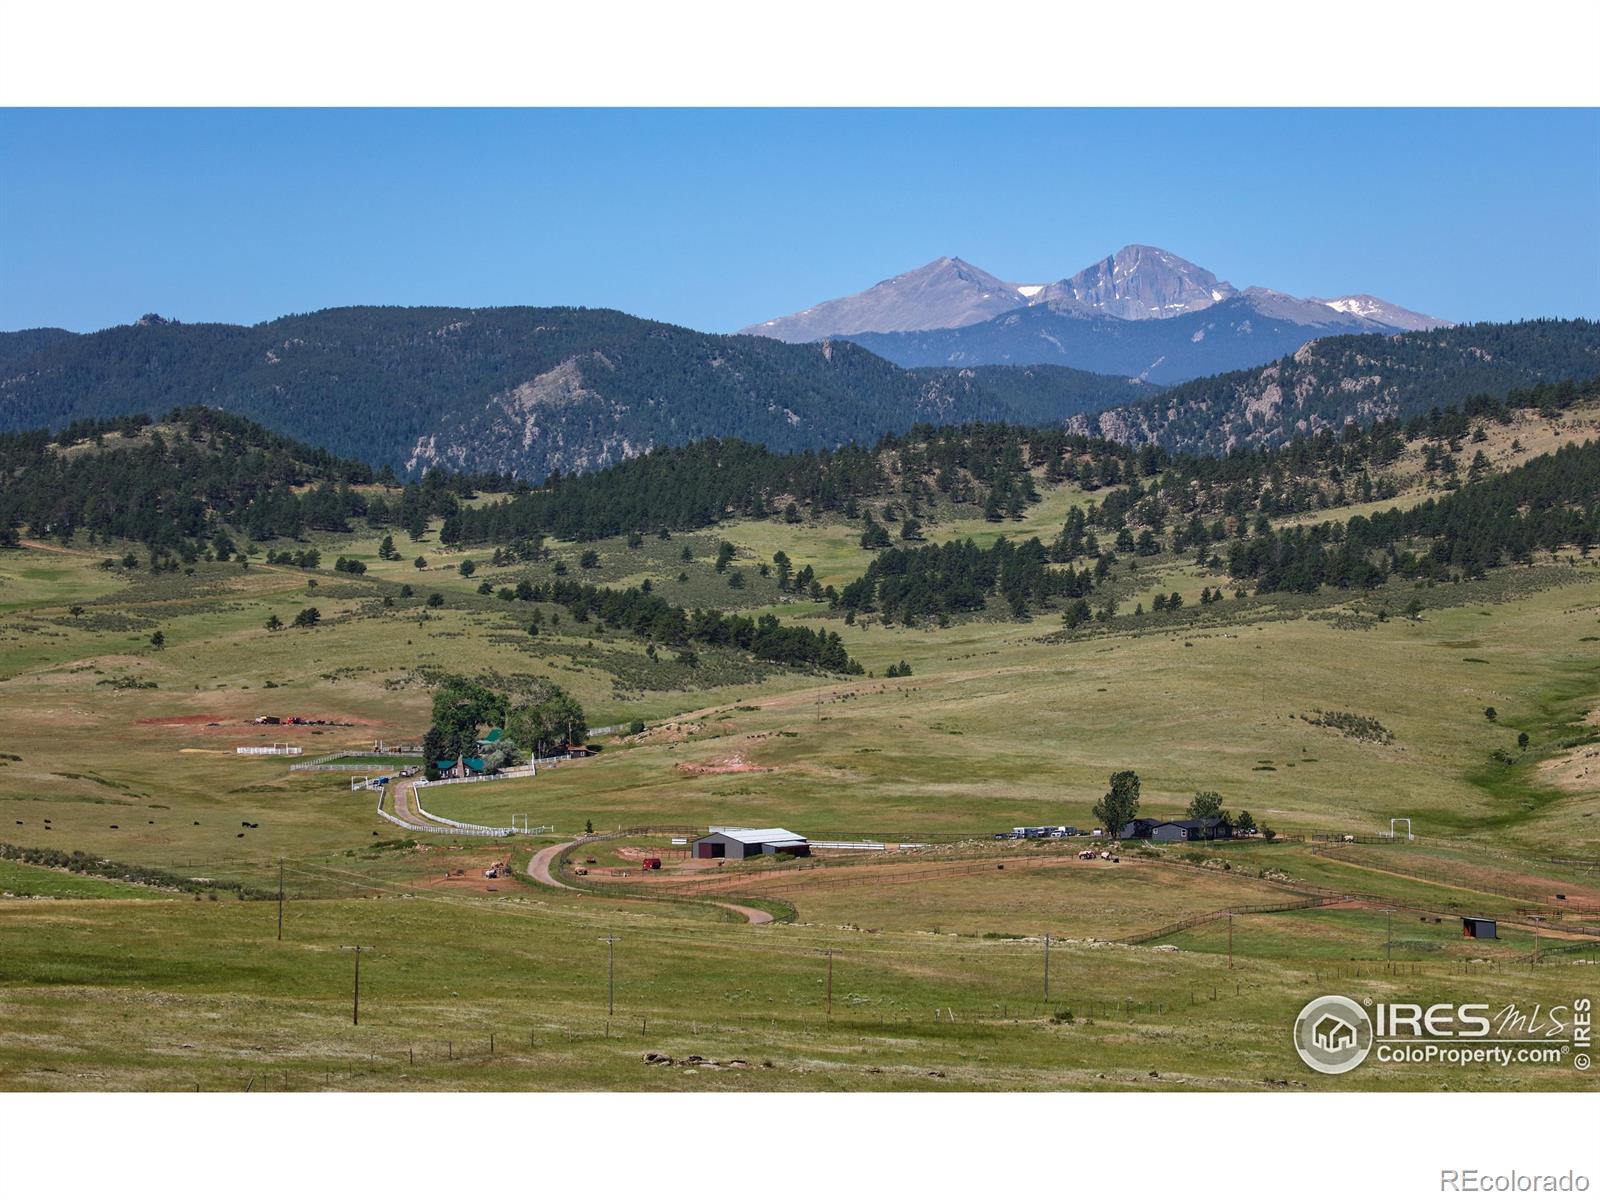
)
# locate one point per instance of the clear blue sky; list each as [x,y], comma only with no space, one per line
[718,218]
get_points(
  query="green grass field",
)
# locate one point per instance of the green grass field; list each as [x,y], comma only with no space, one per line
[120,750]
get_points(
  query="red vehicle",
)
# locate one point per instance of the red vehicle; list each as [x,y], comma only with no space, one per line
[652,864]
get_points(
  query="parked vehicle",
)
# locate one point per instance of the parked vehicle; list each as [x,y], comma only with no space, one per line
[652,864]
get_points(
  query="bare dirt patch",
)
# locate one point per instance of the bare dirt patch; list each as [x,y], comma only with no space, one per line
[668,733]
[726,764]
[467,872]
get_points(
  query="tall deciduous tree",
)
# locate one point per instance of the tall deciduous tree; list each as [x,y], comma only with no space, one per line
[1120,805]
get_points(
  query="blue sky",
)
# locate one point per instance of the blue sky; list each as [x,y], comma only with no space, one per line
[719,218]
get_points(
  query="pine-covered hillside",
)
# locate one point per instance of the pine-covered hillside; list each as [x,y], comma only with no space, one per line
[525,390]
[1361,378]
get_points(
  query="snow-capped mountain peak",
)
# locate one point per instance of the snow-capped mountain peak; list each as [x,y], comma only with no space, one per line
[1373,309]
[1137,283]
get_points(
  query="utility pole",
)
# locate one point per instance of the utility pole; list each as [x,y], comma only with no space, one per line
[611,973]
[830,954]
[1047,968]
[1388,941]
[280,899]
[355,1006]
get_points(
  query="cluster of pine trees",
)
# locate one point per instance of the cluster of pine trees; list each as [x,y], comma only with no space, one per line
[940,580]
[199,480]
[1546,504]
[173,491]
[1196,501]
[645,614]
[695,486]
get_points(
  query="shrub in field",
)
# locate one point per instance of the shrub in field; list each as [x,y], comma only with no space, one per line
[1353,725]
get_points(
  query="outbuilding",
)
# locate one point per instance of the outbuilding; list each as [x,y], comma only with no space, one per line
[723,842]
[1479,927]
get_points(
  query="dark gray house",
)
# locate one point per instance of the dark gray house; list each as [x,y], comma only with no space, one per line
[747,843]
[1209,829]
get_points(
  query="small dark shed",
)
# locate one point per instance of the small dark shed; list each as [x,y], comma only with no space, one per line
[1479,927]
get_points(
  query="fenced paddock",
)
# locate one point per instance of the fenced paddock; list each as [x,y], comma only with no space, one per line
[441,825]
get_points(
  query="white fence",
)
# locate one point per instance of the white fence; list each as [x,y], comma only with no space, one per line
[280,748]
[454,826]
[847,845]
[460,826]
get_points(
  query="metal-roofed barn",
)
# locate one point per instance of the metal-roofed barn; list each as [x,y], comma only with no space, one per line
[723,842]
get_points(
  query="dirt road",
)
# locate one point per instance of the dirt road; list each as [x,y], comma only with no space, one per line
[402,793]
[539,868]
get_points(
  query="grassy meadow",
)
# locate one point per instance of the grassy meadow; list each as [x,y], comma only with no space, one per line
[113,747]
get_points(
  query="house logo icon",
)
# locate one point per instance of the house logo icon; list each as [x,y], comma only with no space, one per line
[1333,1034]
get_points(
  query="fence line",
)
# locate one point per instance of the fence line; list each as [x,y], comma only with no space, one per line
[1237,910]
[466,827]
[453,826]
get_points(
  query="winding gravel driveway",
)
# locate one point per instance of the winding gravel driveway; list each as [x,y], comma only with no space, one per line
[539,868]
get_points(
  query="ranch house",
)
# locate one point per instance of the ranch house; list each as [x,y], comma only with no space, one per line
[461,767]
[1209,829]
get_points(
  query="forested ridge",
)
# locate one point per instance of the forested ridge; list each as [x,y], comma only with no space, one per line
[1353,377]
[1550,503]
[199,477]
[522,390]
[1222,509]
[694,486]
